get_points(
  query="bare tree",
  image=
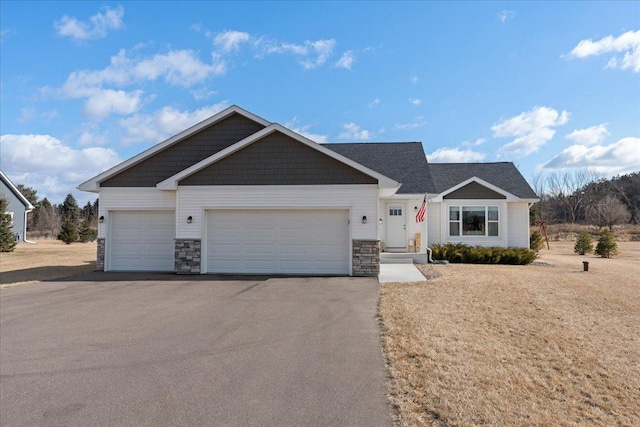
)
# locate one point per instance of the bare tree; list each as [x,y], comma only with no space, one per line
[567,195]
[608,212]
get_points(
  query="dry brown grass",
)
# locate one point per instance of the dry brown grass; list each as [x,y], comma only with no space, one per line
[45,260]
[543,345]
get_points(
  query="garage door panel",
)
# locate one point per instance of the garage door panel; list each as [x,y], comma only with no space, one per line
[142,241]
[278,241]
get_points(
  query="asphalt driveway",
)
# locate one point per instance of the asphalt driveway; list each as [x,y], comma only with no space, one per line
[134,349]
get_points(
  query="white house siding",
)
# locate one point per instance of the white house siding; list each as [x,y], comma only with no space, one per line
[433,222]
[194,201]
[501,240]
[113,198]
[518,224]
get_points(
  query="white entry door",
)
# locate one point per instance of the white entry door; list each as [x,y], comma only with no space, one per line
[396,226]
[278,241]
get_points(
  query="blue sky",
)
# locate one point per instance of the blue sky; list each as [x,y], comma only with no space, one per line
[551,86]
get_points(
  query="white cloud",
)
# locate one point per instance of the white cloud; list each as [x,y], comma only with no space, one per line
[374,103]
[312,54]
[51,166]
[589,136]
[346,61]
[413,79]
[98,26]
[304,130]
[353,131]
[532,130]
[454,155]
[415,101]
[417,122]
[629,43]
[178,67]
[31,114]
[529,143]
[475,143]
[107,101]
[231,40]
[164,123]
[202,93]
[616,158]
[88,139]
[506,15]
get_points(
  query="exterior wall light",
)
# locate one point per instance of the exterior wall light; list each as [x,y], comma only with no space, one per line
[364,219]
[380,221]
[101,219]
[189,219]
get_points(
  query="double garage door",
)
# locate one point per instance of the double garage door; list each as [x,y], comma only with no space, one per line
[278,241]
[237,241]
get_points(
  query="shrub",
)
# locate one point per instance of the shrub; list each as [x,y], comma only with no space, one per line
[69,232]
[607,246]
[536,241]
[584,244]
[462,253]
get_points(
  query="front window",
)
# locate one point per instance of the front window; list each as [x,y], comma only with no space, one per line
[473,220]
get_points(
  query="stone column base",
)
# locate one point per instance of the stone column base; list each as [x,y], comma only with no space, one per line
[365,257]
[187,256]
[100,256]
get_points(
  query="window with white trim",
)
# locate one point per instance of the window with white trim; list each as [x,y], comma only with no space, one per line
[474,221]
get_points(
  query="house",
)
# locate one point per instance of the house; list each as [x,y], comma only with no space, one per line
[18,207]
[239,194]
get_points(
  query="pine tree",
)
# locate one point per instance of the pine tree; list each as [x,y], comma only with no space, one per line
[7,239]
[536,241]
[584,244]
[607,246]
[70,209]
[86,233]
[69,232]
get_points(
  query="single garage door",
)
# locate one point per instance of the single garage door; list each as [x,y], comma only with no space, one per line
[278,241]
[142,240]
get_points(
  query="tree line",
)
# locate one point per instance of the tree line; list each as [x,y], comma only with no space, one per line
[66,221]
[583,198]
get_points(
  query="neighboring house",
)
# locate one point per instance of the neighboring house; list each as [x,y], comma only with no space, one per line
[238,194]
[18,207]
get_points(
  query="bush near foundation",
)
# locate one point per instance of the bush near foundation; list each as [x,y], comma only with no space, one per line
[463,253]
[536,241]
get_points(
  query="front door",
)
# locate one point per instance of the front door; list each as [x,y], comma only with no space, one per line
[396,226]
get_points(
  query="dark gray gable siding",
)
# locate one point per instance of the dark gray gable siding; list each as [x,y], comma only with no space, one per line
[473,190]
[185,153]
[404,162]
[503,175]
[278,159]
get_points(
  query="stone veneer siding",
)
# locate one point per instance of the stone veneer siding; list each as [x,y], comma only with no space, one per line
[366,257]
[187,256]
[100,257]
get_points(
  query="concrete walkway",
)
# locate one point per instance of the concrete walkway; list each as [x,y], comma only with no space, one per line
[404,273]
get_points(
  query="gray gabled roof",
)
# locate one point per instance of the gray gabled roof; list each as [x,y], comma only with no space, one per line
[501,174]
[404,162]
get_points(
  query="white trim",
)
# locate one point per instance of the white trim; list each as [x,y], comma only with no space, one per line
[28,206]
[93,184]
[509,196]
[171,183]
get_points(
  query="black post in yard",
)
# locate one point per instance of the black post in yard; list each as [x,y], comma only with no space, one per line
[585,265]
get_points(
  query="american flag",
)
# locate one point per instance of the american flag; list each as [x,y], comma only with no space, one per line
[422,211]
